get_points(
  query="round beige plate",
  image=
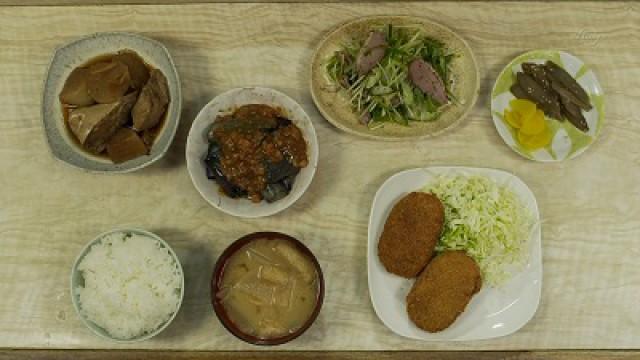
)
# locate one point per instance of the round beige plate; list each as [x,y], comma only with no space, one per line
[334,105]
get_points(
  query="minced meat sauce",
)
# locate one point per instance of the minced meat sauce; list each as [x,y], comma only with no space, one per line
[250,139]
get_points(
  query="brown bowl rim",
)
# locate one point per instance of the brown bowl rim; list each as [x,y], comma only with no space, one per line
[216,278]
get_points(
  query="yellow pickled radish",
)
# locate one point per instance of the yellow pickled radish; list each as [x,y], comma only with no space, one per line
[522,106]
[533,142]
[533,125]
[513,119]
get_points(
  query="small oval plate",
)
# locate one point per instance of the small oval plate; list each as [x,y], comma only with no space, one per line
[567,141]
[334,104]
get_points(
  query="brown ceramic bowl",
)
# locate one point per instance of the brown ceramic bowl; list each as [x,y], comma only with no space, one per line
[218,274]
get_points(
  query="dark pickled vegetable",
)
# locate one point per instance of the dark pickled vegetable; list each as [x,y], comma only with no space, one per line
[555,91]
[560,75]
[546,99]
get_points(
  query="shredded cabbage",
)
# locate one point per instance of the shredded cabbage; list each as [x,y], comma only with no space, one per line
[485,219]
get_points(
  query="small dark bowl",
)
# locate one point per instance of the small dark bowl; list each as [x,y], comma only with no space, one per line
[218,274]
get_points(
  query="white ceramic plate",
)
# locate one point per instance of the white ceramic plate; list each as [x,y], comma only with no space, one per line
[567,141]
[493,312]
[197,146]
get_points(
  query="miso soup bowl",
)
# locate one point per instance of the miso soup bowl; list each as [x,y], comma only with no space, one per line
[218,275]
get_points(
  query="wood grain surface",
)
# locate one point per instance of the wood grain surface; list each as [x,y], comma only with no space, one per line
[48,211]
[157,2]
[312,355]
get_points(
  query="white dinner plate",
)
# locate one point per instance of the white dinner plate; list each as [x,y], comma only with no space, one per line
[493,312]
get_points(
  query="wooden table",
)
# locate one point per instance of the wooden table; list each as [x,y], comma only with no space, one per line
[48,211]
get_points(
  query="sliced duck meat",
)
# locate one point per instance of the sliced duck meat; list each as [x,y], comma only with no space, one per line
[152,103]
[560,75]
[125,145]
[538,73]
[95,125]
[137,69]
[75,90]
[546,99]
[108,81]
[365,119]
[563,92]
[423,76]
[573,112]
[371,52]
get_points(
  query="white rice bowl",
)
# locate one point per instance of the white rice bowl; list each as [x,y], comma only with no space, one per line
[132,284]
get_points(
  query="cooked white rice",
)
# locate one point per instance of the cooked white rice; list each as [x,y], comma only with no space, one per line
[131,285]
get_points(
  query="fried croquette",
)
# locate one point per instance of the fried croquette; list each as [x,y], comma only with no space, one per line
[443,290]
[411,233]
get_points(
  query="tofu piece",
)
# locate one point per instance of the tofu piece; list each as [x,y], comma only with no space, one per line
[94,125]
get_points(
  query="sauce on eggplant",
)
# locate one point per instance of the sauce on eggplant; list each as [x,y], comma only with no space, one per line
[256,152]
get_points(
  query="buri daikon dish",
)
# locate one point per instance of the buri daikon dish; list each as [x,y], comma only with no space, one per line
[114,105]
[111,102]
[267,288]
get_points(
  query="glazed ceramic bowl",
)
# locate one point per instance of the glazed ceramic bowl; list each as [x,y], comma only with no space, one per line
[78,52]
[218,275]
[78,280]
[197,145]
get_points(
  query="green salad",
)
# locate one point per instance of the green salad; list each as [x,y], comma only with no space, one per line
[485,219]
[389,90]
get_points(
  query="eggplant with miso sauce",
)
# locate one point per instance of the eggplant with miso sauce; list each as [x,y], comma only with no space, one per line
[255,153]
